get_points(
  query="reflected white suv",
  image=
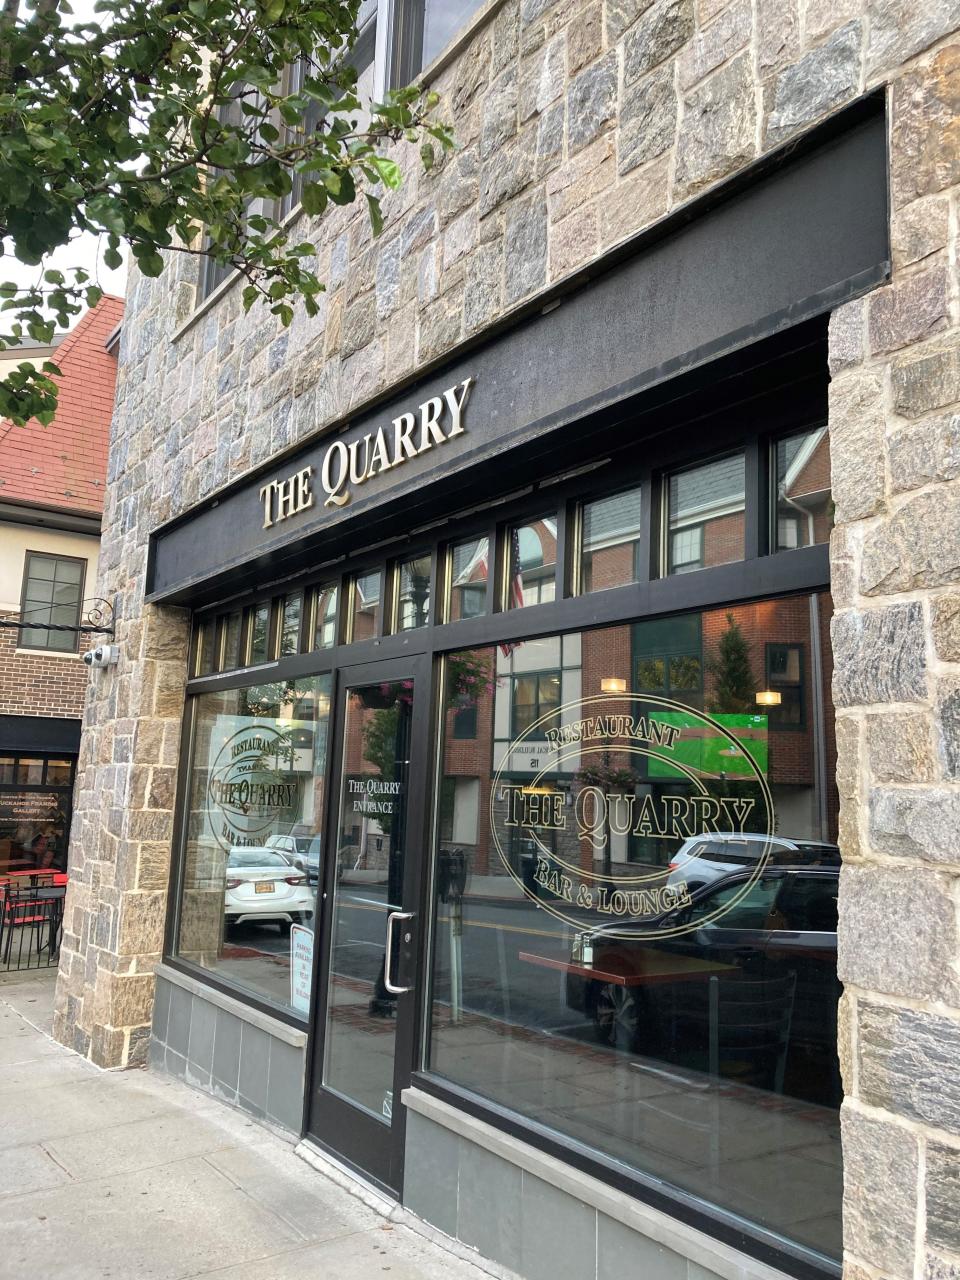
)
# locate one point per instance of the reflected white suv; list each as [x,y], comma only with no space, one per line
[702,860]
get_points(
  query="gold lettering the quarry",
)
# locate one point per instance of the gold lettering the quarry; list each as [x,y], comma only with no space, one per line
[347,465]
[285,498]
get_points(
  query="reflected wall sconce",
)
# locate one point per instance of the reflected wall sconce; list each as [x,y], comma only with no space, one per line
[617,684]
[768,698]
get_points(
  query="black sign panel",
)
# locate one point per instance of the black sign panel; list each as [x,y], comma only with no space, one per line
[796,243]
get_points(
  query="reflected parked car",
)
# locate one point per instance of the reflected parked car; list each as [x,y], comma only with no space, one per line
[747,989]
[262,886]
[302,851]
[705,859]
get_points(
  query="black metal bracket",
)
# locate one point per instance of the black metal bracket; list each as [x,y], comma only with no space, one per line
[96,618]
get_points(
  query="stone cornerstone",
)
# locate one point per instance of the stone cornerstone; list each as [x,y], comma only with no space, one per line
[581,123]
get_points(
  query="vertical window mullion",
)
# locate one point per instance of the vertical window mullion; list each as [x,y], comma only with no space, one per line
[755,519]
[565,553]
[438,587]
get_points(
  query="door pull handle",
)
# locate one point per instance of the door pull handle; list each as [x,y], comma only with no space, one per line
[388,952]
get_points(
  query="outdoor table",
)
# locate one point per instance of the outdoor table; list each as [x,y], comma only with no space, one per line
[652,966]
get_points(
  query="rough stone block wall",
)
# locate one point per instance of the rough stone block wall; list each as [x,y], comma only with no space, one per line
[580,124]
[895,443]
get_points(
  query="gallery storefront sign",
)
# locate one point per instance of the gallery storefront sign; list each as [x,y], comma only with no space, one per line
[633,767]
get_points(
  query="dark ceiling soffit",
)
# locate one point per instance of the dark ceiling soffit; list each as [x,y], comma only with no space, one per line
[837,188]
[39,733]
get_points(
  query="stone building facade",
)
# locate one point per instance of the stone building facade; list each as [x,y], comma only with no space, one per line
[579,126]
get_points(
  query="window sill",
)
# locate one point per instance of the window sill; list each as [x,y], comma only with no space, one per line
[437,1101]
[274,1027]
[223,288]
[458,43]
[45,653]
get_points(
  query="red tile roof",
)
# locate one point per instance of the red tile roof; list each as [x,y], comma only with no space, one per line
[65,465]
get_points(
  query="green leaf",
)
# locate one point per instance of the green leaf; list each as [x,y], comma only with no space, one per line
[313,198]
[388,170]
[105,212]
[148,259]
[427,156]
[376,217]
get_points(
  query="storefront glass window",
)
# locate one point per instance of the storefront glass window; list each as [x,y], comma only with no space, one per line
[804,507]
[232,625]
[705,515]
[59,773]
[29,772]
[469,570]
[254,846]
[367,596]
[663,989]
[35,798]
[610,545]
[290,628]
[260,634]
[532,563]
[206,647]
[325,623]
[413,593]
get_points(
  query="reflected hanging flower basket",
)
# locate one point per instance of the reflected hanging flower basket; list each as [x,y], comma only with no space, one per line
[608,777]
[469,678]
[390,693]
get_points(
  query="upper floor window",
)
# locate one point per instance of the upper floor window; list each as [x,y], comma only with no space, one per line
[705,512]
[441,20]
[804,506]
[52,592]
[469,569]
[531,575]
[362,59]
[611,533]
[413,593]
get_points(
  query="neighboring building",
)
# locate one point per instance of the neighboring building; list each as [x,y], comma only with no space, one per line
[52,484]
[606,515]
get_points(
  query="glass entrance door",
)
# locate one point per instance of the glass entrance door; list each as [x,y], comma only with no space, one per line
[363,1047]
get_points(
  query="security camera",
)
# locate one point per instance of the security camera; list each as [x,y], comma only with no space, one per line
[104,655]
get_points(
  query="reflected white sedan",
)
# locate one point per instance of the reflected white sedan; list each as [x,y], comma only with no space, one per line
[262,885]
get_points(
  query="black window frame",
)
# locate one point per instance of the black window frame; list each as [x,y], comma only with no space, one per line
[774,721]
[465,723]
[640,544]
[35,626]
[484,589]
[750,474]
[397,595]
[515,677]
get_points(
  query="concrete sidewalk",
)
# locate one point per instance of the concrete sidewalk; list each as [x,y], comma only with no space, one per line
[130,1176]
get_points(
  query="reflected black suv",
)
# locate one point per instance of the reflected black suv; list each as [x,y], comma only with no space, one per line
[747,990]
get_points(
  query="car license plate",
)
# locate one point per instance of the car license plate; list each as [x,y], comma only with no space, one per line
[264,886]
